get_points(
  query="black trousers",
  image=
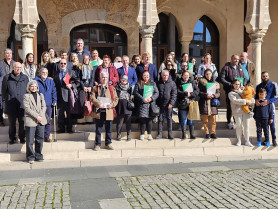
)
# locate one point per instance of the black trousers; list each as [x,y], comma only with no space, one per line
[36,133]
[146,122]
[168,113]
[262,124]
[108,129]
[121,119]
[12,127]
[62,120]
[229,108]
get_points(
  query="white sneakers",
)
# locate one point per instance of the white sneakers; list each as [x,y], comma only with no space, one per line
[248,143]
[238,143]
[142,136]
[230,125]
[150,137]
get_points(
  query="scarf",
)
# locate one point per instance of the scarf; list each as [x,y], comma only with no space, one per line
[86,72]
[124,94]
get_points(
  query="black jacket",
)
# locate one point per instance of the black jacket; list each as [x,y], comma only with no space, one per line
[182,94]
[263,112]
[167,93]
[141,107]
[13,90]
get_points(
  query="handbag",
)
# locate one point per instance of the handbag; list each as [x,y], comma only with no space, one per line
[154,110]
[194,112]
[75,105]
[130,104]
[88,106]
[215,102]
[183,104]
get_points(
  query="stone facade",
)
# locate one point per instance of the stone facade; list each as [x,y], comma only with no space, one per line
[137,17]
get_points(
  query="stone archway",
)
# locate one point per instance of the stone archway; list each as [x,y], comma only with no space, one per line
[91,16]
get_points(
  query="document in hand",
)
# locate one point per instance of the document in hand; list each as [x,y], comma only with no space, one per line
[240,80]
[190,66]
[211,88]
[148,91]
[66,78]
[187,87]
[105,101]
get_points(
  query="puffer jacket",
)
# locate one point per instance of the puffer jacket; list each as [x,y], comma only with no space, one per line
[141,107]
[204,102]
[182,94]
[167,93]
[236,102]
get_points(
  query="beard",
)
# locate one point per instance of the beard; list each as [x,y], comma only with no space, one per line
[265,80]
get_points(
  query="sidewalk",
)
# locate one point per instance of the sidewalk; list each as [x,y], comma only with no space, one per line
[129,186]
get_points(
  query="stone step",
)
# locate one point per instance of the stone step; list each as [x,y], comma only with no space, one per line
[182,154]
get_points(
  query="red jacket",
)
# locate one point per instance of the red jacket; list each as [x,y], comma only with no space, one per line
[113,75]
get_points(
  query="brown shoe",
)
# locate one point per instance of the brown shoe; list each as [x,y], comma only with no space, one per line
[2,124]
[47,139]
[109,147]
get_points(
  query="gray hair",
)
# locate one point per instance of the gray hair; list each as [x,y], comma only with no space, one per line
[30,83]
[80,39]
[103,73]
[7,49]
[164,71]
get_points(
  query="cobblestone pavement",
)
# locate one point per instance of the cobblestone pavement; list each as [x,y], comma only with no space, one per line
[252,188]
[39,195]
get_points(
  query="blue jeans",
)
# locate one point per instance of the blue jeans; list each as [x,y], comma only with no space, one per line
[183,118]
[1,109]
[36,133]
[48,125]
[273,124]
[108,128]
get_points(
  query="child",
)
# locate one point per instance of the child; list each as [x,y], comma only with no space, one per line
[263,116]
[248,94]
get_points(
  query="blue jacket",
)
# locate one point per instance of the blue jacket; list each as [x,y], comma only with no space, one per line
[152,70]
[271,89]
[48,89]
[264,112]
[132,77]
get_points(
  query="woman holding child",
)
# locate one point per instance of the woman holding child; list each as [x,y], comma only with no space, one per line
[242,119]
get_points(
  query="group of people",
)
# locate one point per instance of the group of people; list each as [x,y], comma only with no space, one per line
[81,84]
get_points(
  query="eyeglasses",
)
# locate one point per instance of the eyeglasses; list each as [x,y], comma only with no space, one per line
[169,64]
[62,63]
[184,65]
[124,79]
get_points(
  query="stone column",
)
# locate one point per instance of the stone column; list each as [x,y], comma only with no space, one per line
[256,46]
[3,43]
[27,34]
[172,32]
[185,46]
[147,36]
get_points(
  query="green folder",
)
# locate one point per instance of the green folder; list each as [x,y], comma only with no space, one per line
[187,87]
[211,88]
[148,91]
[190,66]
[240,80]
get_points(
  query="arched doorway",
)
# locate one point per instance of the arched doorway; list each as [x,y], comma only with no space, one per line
[107,39]
[205,40]
[40,39]
[161,39]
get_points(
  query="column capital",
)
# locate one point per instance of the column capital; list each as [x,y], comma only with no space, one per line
[147,31]
[27,30]
[257,36]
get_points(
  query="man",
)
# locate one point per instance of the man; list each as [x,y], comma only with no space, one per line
[63,55]
[113,76]
[248,68]
[229,72]
[184,67]
[6,67]
[48,89]
[104,114]
[166,101]
[13,89]
[80,51]
[63,95]
[129,71]
[271,97]
[146,65]
[95,61]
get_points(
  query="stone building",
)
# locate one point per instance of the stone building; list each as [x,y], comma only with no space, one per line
[117,27]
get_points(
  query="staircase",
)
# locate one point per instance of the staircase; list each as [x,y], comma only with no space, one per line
[78,146]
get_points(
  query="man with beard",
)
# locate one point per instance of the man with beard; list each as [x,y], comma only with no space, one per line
[271,97]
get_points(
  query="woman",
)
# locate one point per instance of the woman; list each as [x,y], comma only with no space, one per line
[45,63]
[87,80]
[136,60]
[195,70]
[95,61]
[184,57]
[118,62]
[208,111]
[124,91]
[172,71]
[207,65]
[28,67]
[183,95]
[142,105]
[147,66]
[34,106]
[242,119]
[76,65]
[168,58]
[53,56]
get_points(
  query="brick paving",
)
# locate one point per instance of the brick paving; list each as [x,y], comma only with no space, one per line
[252,188]
[38,196]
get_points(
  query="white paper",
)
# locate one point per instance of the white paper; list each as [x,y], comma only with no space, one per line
[105,101]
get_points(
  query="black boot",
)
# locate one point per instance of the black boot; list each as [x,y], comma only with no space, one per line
[159,136]
[274,143]
[183,129]
[170,136]
[191,130]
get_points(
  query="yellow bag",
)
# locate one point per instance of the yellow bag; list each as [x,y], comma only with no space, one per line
[194,112]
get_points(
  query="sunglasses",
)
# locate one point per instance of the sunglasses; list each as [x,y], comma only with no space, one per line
[61,63]
[124,79]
